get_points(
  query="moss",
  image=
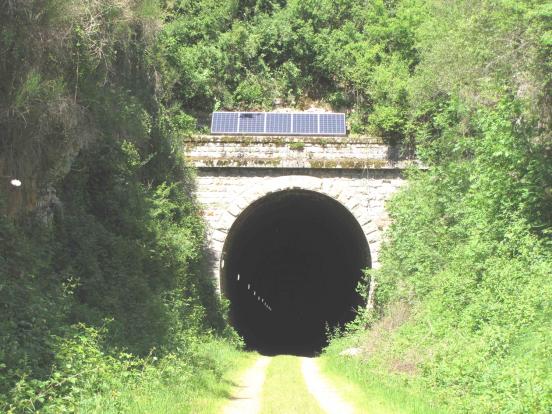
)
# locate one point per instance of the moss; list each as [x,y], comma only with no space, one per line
[297,146]
[281,140]
[322,164]
[342,163]
[349,163]
[235,162]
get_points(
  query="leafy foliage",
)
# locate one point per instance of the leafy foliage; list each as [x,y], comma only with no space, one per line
[94,96]
[85,378]
[469,249]
[252,55]
[104,226]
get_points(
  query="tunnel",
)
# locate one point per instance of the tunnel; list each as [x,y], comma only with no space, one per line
[290,267]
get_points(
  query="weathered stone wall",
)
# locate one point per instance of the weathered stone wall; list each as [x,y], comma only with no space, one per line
[292,152]
[226,192]
[234,171]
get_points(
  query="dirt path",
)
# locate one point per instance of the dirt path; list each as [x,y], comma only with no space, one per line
[247,397]
[285,390]
[293,386]
[322,390]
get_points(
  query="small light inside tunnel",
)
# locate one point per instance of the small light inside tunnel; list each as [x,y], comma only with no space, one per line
[238,277]
[248,286]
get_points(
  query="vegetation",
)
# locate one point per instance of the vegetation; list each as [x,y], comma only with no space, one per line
[348,54]
[89,380]
[102,294]
[285,390]
[376,394]
[101,289]
[297,146]
[463,298]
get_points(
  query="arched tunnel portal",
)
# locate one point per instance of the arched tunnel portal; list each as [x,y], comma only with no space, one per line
[291,264]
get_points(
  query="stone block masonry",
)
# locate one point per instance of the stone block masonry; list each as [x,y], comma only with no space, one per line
[233,172]
[292,152]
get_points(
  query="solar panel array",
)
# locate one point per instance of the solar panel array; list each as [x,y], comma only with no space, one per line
[278,123]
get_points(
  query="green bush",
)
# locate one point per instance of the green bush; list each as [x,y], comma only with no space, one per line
[355,57]
[104,225]
[468,251]
[87,378]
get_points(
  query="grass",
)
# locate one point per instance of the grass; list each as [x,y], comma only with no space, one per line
[285,390]
[371,391]
[202,390]
[218,391]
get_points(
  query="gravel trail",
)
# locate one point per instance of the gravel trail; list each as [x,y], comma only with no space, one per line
[247,396]
[322,390]
[246,399]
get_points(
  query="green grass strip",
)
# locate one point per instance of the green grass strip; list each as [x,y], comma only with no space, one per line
[285,390]
[368,394]
[203,390]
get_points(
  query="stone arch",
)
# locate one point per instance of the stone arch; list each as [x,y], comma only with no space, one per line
[304,183]
[294,237]
[220,223]
[307,183]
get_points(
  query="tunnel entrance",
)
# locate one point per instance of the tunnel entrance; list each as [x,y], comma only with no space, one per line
[291,264]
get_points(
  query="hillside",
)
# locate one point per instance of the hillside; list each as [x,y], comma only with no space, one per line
[103,294]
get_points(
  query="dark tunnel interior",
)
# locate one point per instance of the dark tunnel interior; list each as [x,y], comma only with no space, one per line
[292,261]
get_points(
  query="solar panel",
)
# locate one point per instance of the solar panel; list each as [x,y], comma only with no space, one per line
[224,123]
[251,122]
[305,124]
[332,124]
[278,123]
